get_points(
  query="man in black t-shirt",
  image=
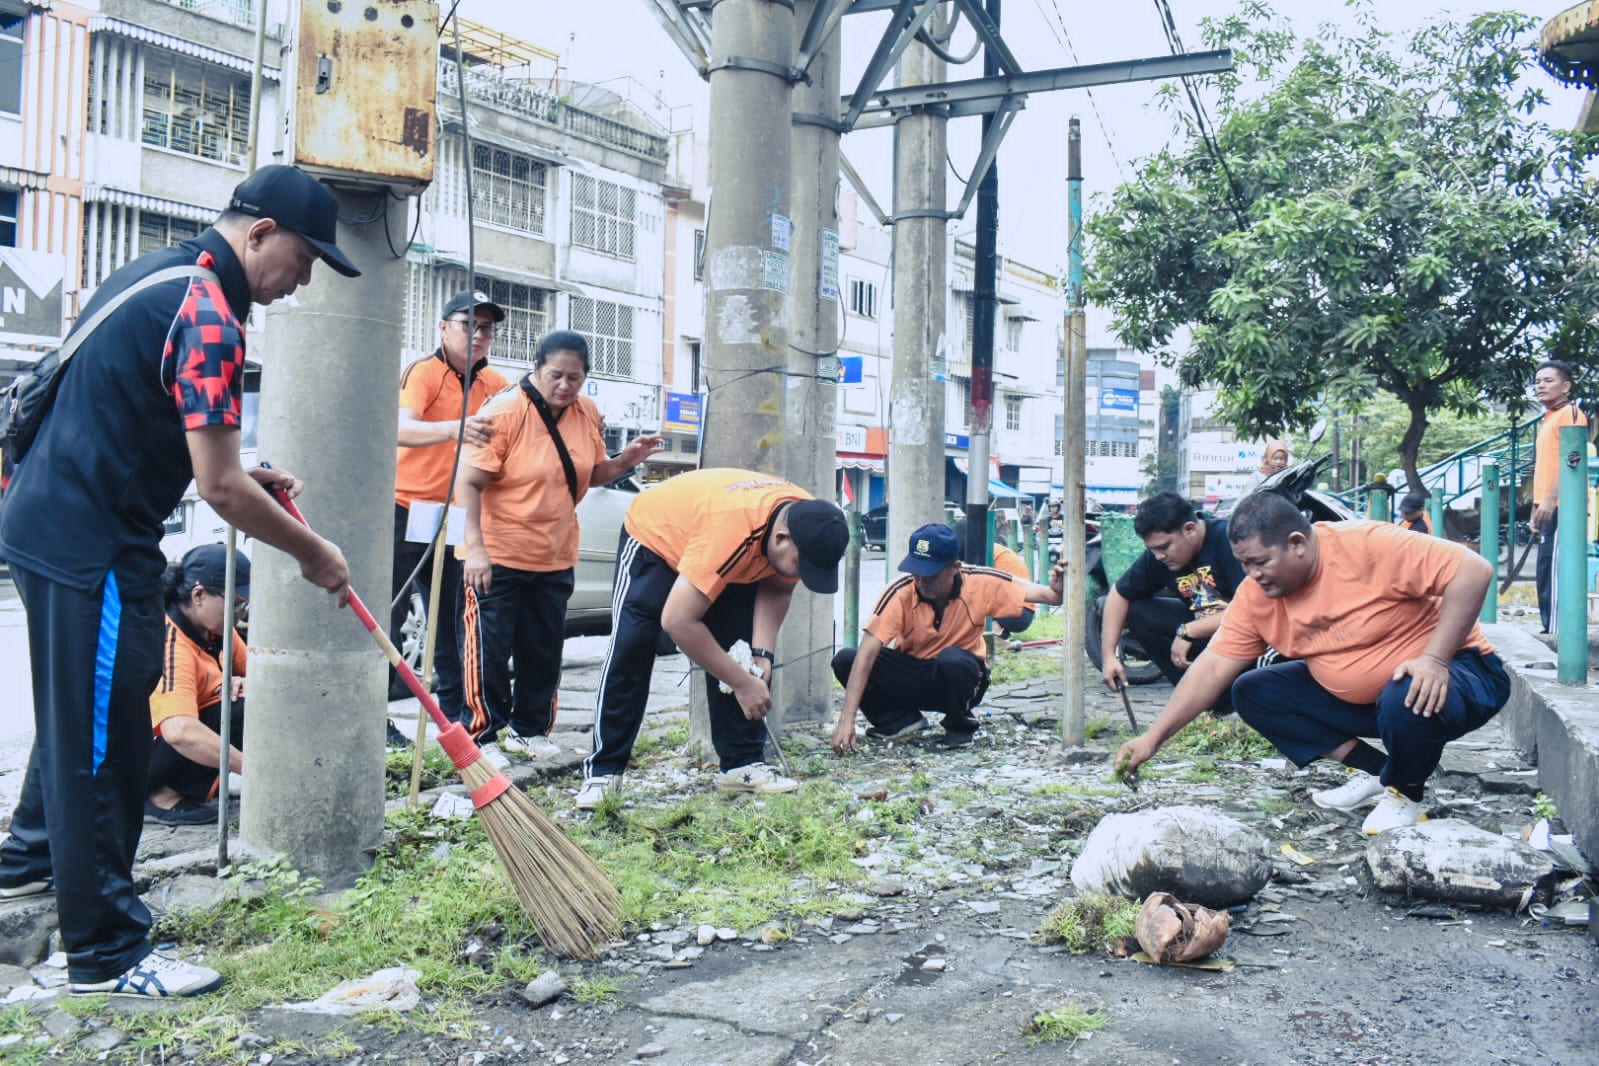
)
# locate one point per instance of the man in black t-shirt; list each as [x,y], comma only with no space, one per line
[1186,553]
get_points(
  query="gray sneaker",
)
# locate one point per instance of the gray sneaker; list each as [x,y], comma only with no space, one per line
[156,976]
[595,789]
[756,777]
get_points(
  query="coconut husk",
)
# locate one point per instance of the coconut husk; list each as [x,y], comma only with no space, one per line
[1172,931]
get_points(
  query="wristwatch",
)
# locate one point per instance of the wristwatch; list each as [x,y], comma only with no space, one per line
[763,653]
[1182,631]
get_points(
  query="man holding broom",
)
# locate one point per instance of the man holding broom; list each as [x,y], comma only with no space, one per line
[710,556]
[152,398]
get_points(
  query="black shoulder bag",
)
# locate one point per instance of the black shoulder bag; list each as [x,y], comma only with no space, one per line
[545,413]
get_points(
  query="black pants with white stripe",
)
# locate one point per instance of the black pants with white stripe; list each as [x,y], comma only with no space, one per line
[643,581]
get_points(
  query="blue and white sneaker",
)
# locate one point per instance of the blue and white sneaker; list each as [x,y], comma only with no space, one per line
[156,976]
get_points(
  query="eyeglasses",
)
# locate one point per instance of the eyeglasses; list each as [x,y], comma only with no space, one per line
[480,329]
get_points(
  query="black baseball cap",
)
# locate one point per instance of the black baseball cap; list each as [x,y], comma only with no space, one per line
[206,566]
[821,535]
[466,301]
[1413,501]
[297,202]
[933,547]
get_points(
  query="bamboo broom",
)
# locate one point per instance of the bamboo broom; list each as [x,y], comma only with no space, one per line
[570,900]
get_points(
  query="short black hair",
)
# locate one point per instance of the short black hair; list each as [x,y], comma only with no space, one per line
[1268,516]
[1164,512]
[562,340]
[1561,367]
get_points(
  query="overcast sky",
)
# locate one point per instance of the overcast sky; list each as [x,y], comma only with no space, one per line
[621,44]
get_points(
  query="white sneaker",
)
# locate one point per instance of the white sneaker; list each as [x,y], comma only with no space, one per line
[1394,811]
[533,747]
[1361,789]
[26,889]
[595,789]
[494,756]
[156,976]
[756,777]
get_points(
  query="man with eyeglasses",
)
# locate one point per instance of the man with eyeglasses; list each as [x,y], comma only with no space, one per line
[431,391]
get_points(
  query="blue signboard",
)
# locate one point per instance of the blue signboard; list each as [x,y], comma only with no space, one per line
[849,369]
[1119,400]
[682,413]
[956,440]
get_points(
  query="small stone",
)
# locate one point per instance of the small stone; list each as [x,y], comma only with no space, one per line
[726,933]
[104,1039]
[59,1024]
[650,1051]
[887,887]
[936,964]
[546,988]
[705,935]
[894,1018]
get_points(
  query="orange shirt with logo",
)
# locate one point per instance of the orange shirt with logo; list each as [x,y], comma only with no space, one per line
[528,517]
[430,389]
[908,623]
[711,525]
[1546,452]
[191,677]
[1372,603]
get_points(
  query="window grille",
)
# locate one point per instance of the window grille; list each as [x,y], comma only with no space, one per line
[603,216]
[1013,412]
[863,298]
[527,318]
[508,189]
[163,231]
[195,109]
[608,327]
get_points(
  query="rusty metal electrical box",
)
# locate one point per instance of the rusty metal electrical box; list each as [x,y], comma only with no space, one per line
[365,91]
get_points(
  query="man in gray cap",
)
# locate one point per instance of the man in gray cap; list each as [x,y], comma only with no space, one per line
[152,399]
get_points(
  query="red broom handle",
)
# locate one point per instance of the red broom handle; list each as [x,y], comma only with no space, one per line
[412,682]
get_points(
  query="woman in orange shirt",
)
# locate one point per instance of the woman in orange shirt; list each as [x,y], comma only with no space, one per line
[521,489]
[186,707]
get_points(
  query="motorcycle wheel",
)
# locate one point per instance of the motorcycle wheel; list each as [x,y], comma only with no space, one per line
[1140,671]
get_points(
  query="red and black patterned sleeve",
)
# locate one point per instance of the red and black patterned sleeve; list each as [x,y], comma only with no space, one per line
[204,357]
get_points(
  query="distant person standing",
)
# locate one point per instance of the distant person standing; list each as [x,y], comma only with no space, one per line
[1273,460]
[1552,385]
[431,389]
[1413,514]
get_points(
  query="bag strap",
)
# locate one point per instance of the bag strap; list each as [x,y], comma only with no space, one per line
[81,331]
[545,413]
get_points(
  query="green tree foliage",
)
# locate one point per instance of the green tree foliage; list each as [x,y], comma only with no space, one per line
[1384,214]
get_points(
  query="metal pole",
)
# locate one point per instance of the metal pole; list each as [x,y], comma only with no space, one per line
[1571,548]
[921,345]
[1435,511]
[1377,500]
[1074,548]
[985,294]
[852,568]
[1490,539]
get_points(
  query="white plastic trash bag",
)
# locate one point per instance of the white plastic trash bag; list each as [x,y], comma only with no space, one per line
[1194,853]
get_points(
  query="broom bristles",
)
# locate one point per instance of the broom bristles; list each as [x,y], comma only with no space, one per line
[570,899]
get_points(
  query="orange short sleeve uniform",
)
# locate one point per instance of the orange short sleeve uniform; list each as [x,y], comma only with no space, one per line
[528,518]
[908,623]
[711,525]
[1546,452]
[191,677]
[432,390]
[1372,604]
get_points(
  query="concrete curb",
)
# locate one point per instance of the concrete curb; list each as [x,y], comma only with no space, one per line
[1557,726]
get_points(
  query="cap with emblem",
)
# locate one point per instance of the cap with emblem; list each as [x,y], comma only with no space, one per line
[933,547]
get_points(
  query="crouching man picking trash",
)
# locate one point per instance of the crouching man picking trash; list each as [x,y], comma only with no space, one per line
[1382,628]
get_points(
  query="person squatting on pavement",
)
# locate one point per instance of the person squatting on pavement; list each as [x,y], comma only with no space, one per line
[1005,559]
[923,646]
[186,707]
[430,420]
[1383,627]
[152,399]
[521,490]
[710,556]
[1185,552]
[1552,384]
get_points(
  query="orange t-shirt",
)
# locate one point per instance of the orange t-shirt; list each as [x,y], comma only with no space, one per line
[191,677]
[1546,452]
[528,517]
[432,390]
[907,622]
[1372,603]
[711,525]
[1006,559]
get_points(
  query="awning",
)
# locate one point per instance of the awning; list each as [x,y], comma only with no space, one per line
[103,195]
[857,461]
[997,487]
[107,24]
[23,179]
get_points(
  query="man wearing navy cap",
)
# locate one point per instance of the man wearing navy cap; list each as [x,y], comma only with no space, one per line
[153,398]
[923,646]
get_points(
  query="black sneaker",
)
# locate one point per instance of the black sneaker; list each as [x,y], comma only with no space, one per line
[393,738]
[904,732]
[955,740]
[186,812]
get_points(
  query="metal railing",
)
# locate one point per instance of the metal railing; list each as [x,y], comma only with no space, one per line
[522,98]
[1461,473]
[238,12]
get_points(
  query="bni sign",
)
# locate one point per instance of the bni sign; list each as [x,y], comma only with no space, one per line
[30,295]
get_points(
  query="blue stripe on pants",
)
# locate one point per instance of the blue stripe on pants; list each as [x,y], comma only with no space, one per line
[105,661]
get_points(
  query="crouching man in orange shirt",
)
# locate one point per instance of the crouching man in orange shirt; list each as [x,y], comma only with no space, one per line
[1382,628]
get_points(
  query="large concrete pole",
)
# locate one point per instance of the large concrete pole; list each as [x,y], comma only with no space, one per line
[808,451]
[318,685]
[1074,548]
[748,243]
[921,356]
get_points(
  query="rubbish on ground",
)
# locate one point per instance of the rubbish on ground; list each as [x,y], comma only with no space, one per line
[389,989]
[1294,855]
[1193,852]
[452,806]
[1454,861]
[1172,931]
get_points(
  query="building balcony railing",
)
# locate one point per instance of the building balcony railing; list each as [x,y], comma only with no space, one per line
[238,12]
[520,98]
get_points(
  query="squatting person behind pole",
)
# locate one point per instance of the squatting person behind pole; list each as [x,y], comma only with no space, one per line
[1383,627]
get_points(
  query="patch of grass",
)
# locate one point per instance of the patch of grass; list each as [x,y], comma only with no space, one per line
[1008,667]
[1089,923]
[1047,625]
[597,989]
[1274,805]
[959,797]
[1066,1022]
[1544,807]
[1202,770]
[1222,738]
[437,770]
[1095,728]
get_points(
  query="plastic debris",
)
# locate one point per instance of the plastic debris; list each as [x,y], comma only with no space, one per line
[389,989]
[1193,852]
